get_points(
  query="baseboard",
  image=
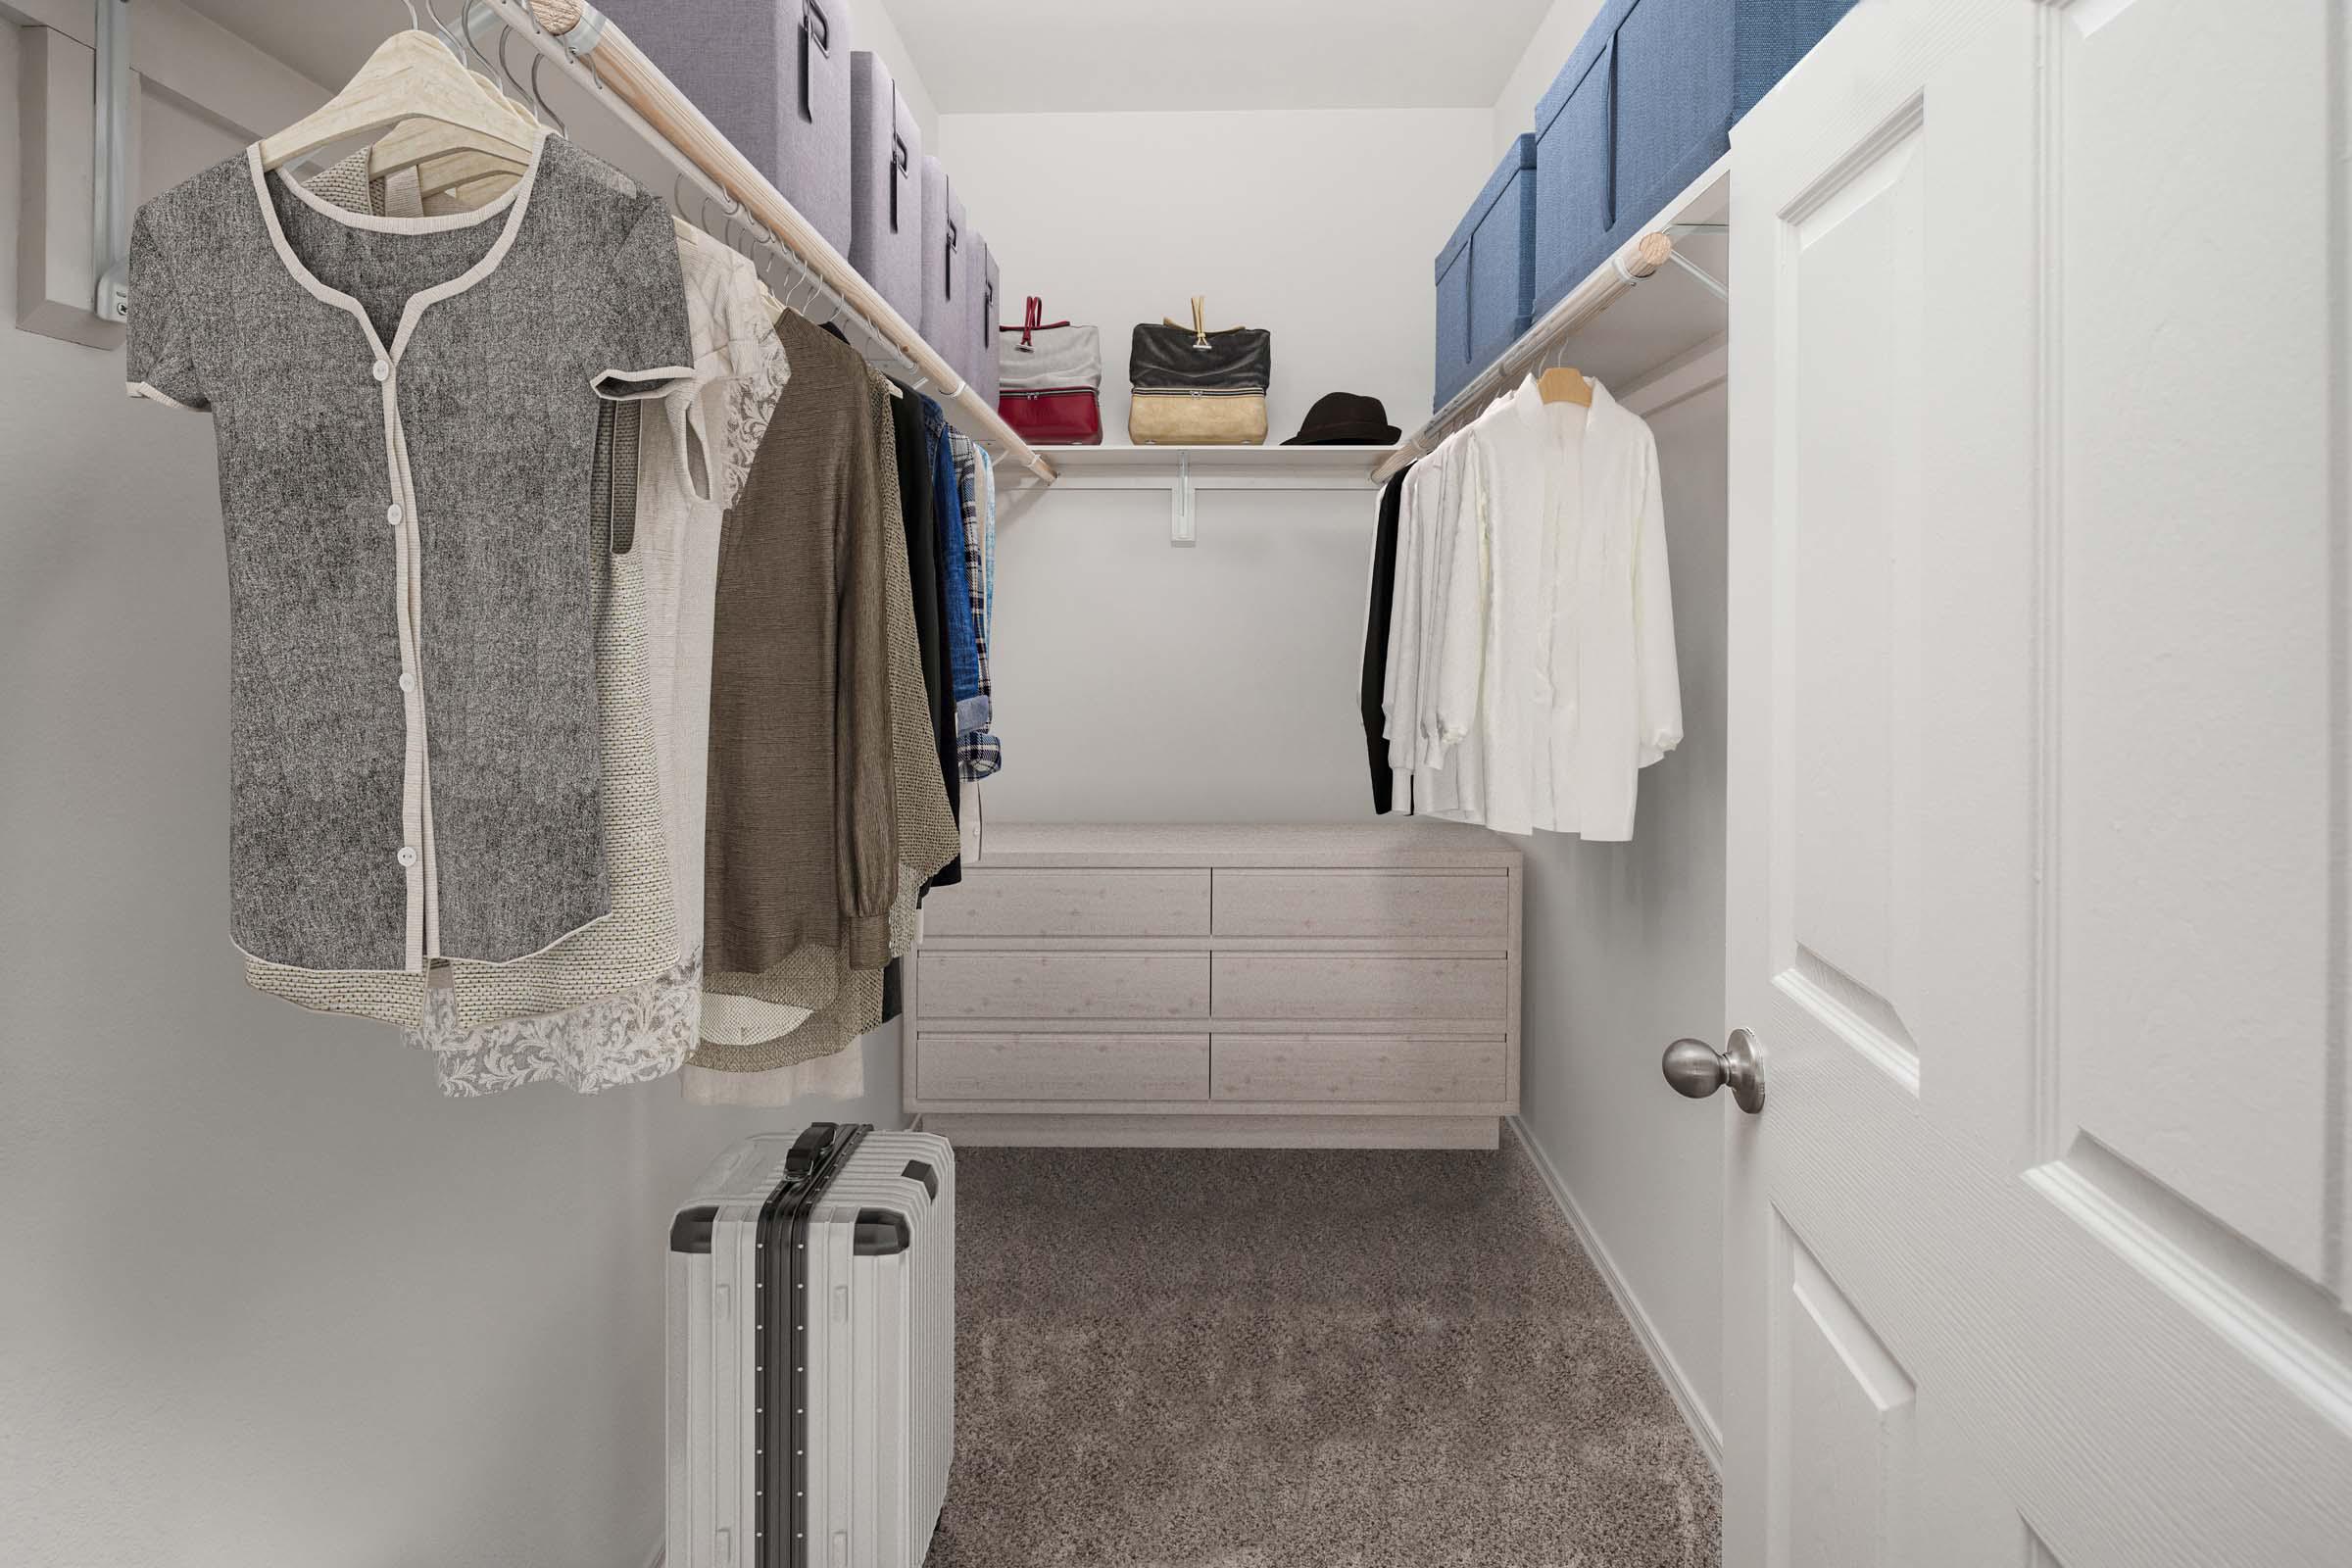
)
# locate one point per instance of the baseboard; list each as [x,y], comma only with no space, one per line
[981,1130]
[1703,1428]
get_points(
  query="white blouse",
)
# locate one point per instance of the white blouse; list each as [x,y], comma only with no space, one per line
[1533,668]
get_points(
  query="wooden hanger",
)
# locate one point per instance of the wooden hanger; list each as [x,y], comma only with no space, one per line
[411,76]
[1564,383]
[776,307]
[420,141]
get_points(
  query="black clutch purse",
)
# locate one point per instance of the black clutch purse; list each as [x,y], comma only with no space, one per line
[1168,358]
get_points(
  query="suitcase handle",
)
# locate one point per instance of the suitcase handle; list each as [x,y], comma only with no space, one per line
[808,1150]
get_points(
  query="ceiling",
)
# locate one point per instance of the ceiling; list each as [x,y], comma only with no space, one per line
[1040,56]
[1046,56]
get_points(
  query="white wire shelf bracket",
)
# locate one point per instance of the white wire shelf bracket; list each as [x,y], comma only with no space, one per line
[1690,219]
[586,46]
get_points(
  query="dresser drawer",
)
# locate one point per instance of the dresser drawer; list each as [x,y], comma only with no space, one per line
[1358,1070]
[1364,904]
[1104,1067]
[1070,904]
[1286,985]
[1062,985]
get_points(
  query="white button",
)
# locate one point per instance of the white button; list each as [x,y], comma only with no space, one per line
[384,371]
[407,854]
[408,682]
[393,514]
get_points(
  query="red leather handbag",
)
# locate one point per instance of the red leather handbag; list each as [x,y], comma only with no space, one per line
[1049,375]
[1073,417]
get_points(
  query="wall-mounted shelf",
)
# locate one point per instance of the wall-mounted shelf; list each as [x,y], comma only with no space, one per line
[1184,470]
[1248,460]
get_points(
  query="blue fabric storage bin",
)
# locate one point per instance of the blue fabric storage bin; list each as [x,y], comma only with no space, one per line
[1645,105]
[774,78]
[886,188]
[947,270]
[1453,323]
[1486,274]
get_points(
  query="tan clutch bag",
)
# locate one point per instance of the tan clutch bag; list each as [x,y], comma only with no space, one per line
[1197,419]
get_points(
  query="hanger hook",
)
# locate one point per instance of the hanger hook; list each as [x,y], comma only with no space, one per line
[448,37]
[546,113]
[465,31]
[414,25]
[513,88]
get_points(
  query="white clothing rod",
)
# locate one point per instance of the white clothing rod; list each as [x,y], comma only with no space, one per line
[586,45]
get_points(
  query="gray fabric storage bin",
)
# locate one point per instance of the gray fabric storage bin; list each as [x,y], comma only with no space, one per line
[886,191]
[773,75]
[986,373]
[972,332]
[947,270]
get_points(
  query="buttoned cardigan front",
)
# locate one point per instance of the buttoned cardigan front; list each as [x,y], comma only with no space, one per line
[405,411]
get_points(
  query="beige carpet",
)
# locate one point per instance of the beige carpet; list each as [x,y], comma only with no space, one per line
[1243,1359]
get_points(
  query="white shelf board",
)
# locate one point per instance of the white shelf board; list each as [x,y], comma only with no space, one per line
[1248,459]
[1184,471]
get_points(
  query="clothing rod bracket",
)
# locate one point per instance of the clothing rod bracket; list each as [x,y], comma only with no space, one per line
[111,166]
[1180,533]
[1707,279]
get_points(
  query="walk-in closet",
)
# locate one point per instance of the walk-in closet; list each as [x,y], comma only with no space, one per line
[1093,784]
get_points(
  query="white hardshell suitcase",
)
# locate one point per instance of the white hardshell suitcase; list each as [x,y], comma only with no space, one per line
[817,1434]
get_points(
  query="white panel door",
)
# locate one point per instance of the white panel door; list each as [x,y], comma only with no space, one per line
[2037,895]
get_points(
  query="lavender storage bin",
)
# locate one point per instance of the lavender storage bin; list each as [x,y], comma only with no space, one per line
[774,78]
[985,373]
[886,193]
[947,270]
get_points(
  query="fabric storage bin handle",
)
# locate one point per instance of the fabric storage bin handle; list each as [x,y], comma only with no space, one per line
[953,240]
[1608,62]
[901,166]
[817,38]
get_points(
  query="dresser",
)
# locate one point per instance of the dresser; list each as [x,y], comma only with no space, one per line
[1321,985]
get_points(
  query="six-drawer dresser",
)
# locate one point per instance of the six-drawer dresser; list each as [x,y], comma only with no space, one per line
[1318,985]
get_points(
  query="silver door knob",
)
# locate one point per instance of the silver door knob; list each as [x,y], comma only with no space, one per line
[1697,1069]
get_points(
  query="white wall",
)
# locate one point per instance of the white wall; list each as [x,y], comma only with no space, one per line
[1625,940]
[1321,225]
[1624,954]
[1143,683]
[266,1296]
[871,28]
